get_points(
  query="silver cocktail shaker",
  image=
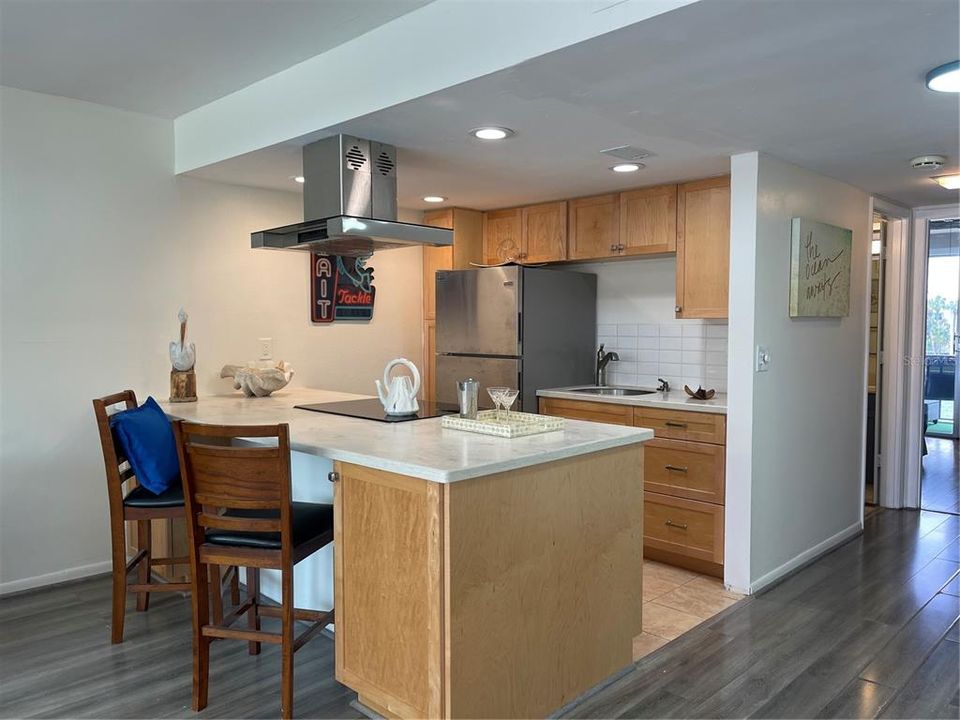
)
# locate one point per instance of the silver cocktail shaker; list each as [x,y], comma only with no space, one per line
[467,392]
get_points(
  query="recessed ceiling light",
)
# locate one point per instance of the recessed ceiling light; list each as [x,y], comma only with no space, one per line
[299,179]
[945,78]
[491,133]
[950,182]
[627,167]
[434,199]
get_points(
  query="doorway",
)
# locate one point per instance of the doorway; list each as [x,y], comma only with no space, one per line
[940,466]
[875,357]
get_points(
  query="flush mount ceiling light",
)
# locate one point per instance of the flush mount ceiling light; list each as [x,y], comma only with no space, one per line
[945,78]
[627,167]
[928,162]
[950,182]
[433,199]
[298,179]
[491,133]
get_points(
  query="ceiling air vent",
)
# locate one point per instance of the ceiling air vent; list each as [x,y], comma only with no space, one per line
[355,157]
[630,153]
[385,164]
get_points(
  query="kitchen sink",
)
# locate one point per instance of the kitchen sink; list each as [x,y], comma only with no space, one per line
[619,391]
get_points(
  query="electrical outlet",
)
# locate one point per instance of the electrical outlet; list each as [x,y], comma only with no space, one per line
[266,348]
[763,359]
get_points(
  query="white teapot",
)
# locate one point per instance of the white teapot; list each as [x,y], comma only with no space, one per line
[398,394]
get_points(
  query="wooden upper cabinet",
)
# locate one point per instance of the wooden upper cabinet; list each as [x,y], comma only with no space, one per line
[439,218]
[648,220]
[467,226]
[703,248]
[502,230]
[544,233]
[594,227]
[434,258]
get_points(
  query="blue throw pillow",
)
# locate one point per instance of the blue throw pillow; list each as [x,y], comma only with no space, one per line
[146,439]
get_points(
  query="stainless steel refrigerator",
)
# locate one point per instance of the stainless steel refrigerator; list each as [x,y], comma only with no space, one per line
[520,327]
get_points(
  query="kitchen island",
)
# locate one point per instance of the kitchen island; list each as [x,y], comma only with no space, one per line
[473,576]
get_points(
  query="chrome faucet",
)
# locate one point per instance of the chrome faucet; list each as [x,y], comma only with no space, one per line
[602,360]
[664,386]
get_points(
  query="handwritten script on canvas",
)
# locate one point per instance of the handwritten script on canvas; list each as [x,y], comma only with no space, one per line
[819,269]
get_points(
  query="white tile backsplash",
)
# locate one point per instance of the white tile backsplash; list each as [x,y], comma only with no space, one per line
[683,352]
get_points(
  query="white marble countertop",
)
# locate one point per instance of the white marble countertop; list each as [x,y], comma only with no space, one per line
[419,448]
[674,399]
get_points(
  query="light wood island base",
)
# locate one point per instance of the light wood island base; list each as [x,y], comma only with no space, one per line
[506,595]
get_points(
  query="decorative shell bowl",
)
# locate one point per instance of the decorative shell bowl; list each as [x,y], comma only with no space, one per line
[258,382]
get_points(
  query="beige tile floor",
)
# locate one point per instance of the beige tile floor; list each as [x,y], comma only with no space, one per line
[675,600]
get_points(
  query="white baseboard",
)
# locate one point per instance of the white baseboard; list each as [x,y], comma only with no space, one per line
[59,576]
[806,557]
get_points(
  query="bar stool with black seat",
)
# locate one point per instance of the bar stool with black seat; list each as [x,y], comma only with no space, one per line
[240,512]
[141,506]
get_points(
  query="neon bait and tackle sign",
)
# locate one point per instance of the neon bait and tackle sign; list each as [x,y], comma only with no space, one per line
[341,288]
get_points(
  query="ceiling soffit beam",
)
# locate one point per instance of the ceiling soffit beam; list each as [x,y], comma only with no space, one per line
[444,43]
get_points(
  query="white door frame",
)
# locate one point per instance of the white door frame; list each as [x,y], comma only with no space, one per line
[913,358]
[895,325]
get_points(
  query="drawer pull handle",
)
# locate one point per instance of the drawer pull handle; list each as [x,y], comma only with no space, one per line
[677,468]
[671,523]
[674,423]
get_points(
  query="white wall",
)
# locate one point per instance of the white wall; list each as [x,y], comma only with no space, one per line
[100,244]
[795,433]
[635,317]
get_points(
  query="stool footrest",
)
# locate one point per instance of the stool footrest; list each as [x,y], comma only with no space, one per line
[218,631]
[159,587]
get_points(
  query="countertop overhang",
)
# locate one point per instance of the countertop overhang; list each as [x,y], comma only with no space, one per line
[419,448]
[670,400]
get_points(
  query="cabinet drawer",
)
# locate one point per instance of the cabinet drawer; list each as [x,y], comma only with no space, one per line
[684,469]
[685,527]
[683,425]
[593,411]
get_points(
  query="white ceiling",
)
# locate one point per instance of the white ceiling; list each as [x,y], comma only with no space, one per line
[835,87]
[166,57]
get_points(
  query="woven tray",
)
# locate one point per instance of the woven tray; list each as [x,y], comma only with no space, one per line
[511,424]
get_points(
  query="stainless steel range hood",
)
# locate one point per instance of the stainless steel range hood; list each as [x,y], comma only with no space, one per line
[349,203]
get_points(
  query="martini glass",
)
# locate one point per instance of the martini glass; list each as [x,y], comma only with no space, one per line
[496,394]
[507,398]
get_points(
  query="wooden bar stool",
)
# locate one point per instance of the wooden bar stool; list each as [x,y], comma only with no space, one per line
[240,512]
[141,506]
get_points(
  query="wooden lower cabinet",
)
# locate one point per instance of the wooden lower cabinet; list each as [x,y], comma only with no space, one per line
[684,527]
[506,596]
[388,586]
[584,410]
[684,478]
[685,469]
[683,425]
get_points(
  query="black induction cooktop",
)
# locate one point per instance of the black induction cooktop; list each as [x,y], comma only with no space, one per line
[371,409]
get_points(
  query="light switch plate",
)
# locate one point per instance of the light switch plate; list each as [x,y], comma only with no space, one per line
[266,348]
[763,359]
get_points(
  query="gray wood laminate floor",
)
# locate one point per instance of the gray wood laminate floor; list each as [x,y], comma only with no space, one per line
[869,630]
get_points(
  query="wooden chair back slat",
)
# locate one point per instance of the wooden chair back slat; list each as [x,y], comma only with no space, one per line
[219,501]
[218,476]
[234,473]
[225,522]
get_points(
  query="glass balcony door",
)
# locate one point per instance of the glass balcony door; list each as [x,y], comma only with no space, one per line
[941,388]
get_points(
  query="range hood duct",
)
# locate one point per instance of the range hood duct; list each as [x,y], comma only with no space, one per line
[349,203]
